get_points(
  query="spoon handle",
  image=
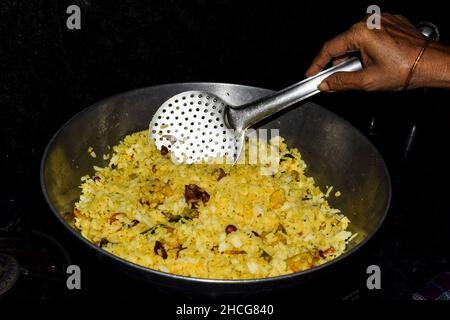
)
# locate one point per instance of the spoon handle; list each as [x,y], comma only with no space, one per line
[242,117]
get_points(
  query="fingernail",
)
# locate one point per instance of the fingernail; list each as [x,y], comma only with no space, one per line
[323,86]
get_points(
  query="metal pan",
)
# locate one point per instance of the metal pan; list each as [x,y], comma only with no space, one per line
[337,154]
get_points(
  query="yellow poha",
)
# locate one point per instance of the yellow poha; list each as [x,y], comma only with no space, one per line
[208,220]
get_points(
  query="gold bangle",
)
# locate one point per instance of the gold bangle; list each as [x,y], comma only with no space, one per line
[413,68]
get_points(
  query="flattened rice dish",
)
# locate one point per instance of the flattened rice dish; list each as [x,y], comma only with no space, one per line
[209,220]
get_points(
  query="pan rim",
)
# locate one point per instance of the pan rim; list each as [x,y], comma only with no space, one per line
[290,276]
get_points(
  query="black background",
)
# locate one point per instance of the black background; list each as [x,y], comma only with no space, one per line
[48,73]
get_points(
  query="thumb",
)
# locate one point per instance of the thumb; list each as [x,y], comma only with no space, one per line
[341,81]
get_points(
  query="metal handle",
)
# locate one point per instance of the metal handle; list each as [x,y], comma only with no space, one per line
[240,118]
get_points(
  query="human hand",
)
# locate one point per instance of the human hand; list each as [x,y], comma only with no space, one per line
[387,56]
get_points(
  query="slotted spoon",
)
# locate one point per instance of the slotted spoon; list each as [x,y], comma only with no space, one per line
[198,126]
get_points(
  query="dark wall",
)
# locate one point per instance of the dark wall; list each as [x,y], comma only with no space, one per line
[48,73]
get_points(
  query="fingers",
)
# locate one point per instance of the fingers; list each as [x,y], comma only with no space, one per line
[342,81]
[336,47]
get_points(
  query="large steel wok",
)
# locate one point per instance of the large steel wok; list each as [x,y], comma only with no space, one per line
[336,153]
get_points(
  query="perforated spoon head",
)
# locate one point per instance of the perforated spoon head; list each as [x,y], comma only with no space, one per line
[192,126]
